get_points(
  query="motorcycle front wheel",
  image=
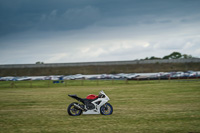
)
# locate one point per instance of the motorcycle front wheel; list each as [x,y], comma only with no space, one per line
[106,109]
[73,111]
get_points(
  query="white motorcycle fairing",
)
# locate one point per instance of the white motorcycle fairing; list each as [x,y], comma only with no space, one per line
[102,101]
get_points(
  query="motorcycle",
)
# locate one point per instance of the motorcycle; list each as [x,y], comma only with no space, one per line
[92,104]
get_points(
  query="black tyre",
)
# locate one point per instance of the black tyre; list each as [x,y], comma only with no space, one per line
[106,109]
[73,111]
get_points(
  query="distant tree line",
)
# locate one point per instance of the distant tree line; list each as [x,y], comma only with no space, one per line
[173,55]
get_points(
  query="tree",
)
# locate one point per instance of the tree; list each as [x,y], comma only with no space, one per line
[154,58]
[166,57]
[175,55]
[38,62]
[185,56]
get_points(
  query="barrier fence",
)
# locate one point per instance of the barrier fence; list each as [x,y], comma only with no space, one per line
[105,63]
[83,82]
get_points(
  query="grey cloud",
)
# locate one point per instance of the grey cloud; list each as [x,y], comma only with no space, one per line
[23,15]
[58,30]
[70,19]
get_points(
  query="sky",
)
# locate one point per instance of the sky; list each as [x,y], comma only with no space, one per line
[62,31]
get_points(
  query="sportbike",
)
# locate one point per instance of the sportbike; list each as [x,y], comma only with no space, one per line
[92,104]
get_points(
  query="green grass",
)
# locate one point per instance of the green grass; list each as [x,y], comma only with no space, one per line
[67,83]
[147,106]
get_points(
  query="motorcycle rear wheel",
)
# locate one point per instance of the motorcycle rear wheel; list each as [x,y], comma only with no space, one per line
[106,109]
[73,111]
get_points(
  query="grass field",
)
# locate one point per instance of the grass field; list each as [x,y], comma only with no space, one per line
[144,107]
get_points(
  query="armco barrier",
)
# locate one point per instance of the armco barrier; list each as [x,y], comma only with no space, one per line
[106,63]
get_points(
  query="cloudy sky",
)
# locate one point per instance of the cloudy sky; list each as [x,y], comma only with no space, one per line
[60,31]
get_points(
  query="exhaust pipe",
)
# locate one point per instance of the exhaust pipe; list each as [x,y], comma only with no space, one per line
[79,107]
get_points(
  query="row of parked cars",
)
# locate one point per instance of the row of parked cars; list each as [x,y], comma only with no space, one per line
[129,76]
